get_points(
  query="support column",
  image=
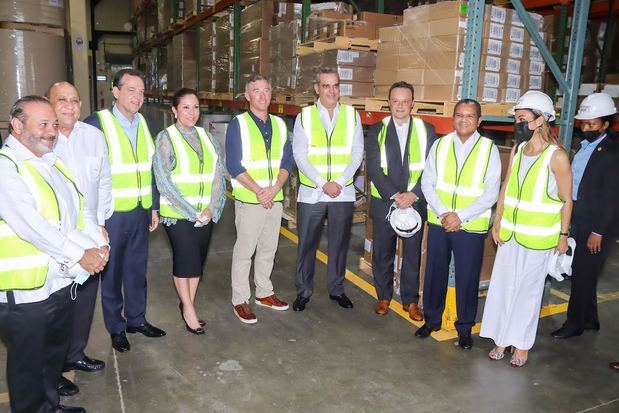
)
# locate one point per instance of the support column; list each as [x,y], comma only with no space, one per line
[77,27]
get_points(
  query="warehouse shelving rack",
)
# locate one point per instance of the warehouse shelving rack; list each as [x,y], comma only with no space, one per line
[568,83]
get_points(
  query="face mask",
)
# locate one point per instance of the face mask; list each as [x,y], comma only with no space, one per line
[522,133]
[590,135]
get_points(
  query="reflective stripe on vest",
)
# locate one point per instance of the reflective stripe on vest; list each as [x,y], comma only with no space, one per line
[131,170]
[328,154]
[263,166]
[529,213]
[458,190]
[193,177]
[417,142]
[22,265]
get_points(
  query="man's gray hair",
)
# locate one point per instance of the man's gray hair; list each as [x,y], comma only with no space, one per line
[254,78]
[17,110]
[327,70]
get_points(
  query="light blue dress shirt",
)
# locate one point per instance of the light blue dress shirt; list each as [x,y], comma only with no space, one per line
[130,128]
[579,163]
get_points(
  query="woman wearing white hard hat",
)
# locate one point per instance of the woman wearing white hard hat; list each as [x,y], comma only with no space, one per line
[595,193]
[531,223]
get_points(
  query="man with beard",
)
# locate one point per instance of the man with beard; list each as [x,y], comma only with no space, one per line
[41,210]
[136,202]
[83,150]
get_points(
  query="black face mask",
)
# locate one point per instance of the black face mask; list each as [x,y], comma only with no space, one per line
[522,133]
[590,135]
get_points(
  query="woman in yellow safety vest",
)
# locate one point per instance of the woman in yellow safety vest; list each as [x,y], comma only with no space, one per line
[189,173]
[531,223]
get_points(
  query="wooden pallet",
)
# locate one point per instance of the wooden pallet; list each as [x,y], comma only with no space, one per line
[447,108]
[299,100]
[338,42]
[32,27]
[367,104]
[216,95]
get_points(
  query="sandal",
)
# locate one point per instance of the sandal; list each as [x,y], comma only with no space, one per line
[518,361]
[498,355]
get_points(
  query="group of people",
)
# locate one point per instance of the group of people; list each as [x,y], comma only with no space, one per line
[80,198]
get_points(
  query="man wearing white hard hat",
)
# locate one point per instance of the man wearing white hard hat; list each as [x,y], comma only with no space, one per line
[595,193]
[396,151]
[531,223]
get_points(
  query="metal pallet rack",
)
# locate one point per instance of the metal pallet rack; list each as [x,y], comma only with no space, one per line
[568,83]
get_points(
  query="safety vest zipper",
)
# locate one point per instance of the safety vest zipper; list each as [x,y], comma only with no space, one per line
[137,171]
[329,154]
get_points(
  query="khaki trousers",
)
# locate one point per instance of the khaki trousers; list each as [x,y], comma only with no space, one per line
[257,230]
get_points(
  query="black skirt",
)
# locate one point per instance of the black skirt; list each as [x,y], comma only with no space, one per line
[189,247]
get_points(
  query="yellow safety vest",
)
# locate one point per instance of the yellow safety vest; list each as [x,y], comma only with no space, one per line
[193,177]
[22,265]
[328,154]
[131,170]
[263,166]
[417,142]
[531,215]
[458,190]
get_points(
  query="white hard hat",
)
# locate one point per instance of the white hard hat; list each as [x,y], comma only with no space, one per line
[538,101]
[596,105]
[560,266]
[405,222]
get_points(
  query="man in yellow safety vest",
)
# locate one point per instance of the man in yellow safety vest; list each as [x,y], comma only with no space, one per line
[461,183]
[328,149]
[44,247]
[259,159]
[136,202]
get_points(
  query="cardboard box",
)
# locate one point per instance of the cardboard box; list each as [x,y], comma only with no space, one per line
[510,95]
[386,77]
[356,89]
[348,57]
[379,19]
[412,76]
[356,73]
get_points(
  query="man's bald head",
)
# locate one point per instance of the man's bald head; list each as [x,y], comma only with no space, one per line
[65,99]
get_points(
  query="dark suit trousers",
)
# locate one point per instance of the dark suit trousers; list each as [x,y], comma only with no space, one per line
[383,255]
[125,272]
[467,248]
[310,221]
[84,309]
[37,336]
[582,309]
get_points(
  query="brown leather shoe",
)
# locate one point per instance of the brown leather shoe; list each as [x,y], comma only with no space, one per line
[414,312]
[245,314]
[614,365]
[382,307]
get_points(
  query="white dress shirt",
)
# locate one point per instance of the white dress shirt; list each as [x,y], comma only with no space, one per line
[492,180]
[19,210]
[84,152]
[300,148]
[402,131]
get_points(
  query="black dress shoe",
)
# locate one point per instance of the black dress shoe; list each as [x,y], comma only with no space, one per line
[299,303]
[180,307]
[342,300]
[86,364]
[465,341]
[120,342]
[425,331]
[564,332]
[69,409]
[66,387]
[147,329]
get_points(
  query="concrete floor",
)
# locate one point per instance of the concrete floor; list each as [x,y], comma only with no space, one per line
[327,359]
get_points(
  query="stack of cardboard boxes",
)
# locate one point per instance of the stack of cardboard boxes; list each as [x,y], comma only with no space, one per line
[427,50]
[356,70]
[182,61]
[224,53]
[324,24]
[256,21]
[207,57]
[283,56]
